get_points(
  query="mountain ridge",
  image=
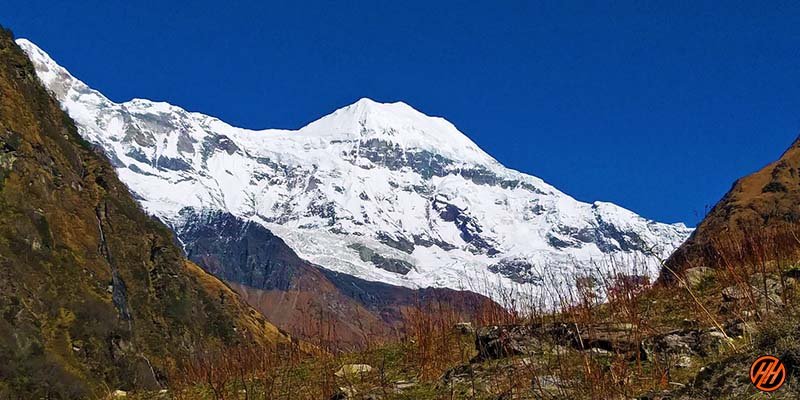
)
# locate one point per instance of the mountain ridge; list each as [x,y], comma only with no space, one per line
[370,178]
[355,112]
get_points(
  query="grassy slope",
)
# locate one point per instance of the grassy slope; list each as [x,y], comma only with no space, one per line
[95,295]
[767,198]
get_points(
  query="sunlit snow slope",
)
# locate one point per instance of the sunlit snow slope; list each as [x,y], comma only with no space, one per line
[379,191]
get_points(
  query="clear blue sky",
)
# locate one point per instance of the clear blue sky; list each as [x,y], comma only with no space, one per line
[656,106]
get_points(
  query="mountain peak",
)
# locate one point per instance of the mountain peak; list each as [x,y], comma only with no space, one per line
[368,105]
[369,178]
[368,109]
[401,125]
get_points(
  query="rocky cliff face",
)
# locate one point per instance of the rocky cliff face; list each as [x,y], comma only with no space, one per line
[378,191]
[95,295]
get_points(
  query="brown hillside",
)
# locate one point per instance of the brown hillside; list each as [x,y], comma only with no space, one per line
[94,295]
[768,199]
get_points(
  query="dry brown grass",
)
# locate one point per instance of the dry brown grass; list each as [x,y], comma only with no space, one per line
[430,349]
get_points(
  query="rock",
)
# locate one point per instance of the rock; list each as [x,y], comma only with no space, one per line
[759,280]
[557,350]
[680,347]
[349,371]
[695,276]
[770,289]
[395,265]
[677,343]
[464,328]
[472,381]
[463,380]
[622,326]
[712,341]
[340,394]
[739,328]
[614,338]
[663,395]
[762,294]
[482,380]
[499,341]
[495,342]
[734,293]
[401,386]
[600,352]
[683,361]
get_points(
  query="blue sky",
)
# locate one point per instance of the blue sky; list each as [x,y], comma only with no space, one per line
[656,106]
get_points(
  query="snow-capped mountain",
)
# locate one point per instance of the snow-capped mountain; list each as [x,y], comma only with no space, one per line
[382,192]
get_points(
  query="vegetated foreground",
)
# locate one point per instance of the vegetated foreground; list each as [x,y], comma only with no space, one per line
[695,339]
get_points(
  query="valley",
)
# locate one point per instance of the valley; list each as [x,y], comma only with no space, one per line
[377,252]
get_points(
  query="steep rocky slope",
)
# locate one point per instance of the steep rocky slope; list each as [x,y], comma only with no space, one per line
[378,191]
[767,199]
[308,301]
[94,295]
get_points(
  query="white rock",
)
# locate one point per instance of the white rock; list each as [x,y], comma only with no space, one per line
[353,370]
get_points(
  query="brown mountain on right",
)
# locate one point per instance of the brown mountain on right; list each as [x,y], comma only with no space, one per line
[765,203]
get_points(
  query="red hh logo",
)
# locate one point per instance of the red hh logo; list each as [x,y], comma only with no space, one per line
[767,373]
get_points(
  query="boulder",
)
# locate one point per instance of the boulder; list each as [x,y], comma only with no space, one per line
[499,341]
[763,293]
[612,338]
[679,347]
[740,328]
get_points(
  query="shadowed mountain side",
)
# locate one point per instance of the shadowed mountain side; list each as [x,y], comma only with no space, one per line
[302,298]
[95,295]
